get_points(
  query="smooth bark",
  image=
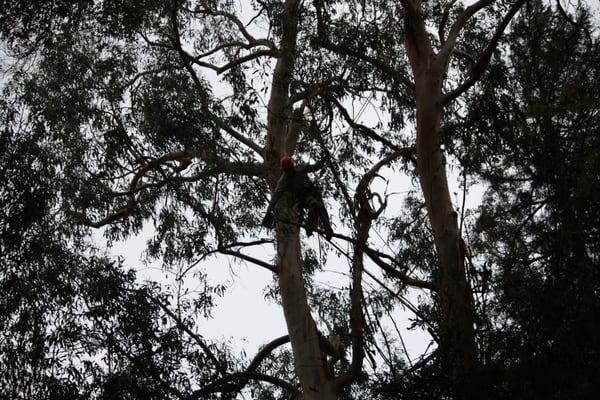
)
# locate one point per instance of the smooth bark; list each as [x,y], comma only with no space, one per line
[309,358]
[457,333]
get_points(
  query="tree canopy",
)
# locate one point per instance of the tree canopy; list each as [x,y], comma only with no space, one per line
[124,117]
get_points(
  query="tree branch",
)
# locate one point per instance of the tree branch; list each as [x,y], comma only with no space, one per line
[479,67]
[265,351]
[315,89]
[365,129]
[249,373]
[233,18]
[221,384]
[323,39]
[363,222]
[197,338]
[187,61]
[231,64]
[183,156]
[248,258]
[458,26]
[402,277]
[444,20]
[407,304]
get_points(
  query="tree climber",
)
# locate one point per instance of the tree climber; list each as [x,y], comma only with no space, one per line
[306,197]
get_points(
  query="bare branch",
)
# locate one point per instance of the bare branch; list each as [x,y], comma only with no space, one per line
[235,43]
[458,26]
[246,58]
[406,304]
[402,277]
[365,181]
[142,74]
[363,222]
[231,64]
[265,351]
[378,257]
[185,156]
[238,136]
[233,18]
[240,379]
[248,258]
[479,67]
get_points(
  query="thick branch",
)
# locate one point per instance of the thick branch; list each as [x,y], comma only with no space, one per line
[459,24]
[233,18]
[479,67]
[363,225]
[243,377]
[373,255]
[294,129]
[410,7]
[266,350]
[221,385]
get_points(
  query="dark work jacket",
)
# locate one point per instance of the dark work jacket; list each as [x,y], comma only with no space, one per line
[296,182]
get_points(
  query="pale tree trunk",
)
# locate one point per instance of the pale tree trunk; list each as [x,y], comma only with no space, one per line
[457,332]
[309,358]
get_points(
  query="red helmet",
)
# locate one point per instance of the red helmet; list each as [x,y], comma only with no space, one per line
[286,163]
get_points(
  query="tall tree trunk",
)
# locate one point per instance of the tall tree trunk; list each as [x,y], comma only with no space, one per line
[457,333]
[309,358]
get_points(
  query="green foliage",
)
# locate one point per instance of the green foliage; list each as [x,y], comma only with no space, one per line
[537,231]
[103,121]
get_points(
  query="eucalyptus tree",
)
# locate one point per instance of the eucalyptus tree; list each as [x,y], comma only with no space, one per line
[153,112]
[422,48]
[127,113]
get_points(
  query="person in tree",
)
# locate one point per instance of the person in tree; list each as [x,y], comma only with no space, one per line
[306,197]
